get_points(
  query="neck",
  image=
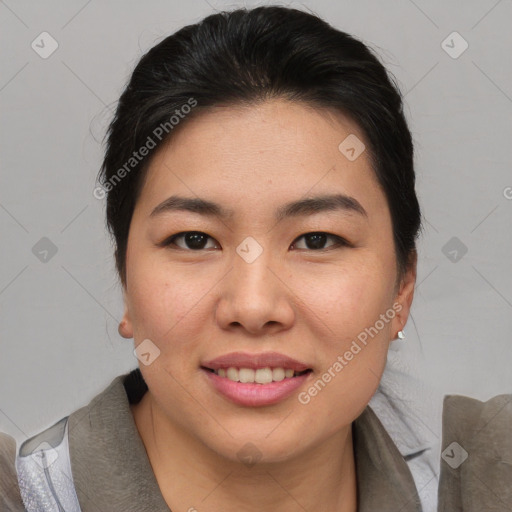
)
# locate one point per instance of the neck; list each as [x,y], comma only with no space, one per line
[192,477]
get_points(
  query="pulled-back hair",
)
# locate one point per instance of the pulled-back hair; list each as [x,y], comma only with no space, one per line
[246,56]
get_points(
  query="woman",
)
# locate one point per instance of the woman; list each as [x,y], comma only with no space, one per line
[260,191]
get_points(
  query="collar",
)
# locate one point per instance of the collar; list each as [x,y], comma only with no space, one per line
[104,443]
[409,410]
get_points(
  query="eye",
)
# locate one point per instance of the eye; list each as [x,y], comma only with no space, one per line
[198,241]
[193,240]
[317,240]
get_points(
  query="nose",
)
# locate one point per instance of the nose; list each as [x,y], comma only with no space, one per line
[255,297]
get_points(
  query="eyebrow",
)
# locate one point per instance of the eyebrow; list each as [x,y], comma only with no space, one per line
[301,207]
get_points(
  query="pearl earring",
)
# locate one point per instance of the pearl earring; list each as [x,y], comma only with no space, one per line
[401,335]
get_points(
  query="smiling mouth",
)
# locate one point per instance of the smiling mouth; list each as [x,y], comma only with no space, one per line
[256,376]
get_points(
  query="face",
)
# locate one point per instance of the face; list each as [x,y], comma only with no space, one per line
[292,267]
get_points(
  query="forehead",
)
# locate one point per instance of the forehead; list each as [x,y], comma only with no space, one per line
[264,153]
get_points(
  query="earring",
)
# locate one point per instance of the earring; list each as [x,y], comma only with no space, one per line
[401,335]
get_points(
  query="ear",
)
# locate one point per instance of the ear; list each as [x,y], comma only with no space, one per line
[404,296]
[125,328]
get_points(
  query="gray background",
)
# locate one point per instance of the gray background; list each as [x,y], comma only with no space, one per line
[59,344]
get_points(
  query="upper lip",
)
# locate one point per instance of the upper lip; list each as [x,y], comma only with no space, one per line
[255,361]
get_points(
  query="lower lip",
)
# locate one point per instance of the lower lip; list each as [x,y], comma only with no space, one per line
[256,395]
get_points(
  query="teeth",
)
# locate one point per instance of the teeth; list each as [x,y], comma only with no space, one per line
[263,375]
[246,375]
[260,376]
[232,374]
[278,374]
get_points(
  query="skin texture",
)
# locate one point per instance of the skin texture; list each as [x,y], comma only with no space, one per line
[303,302]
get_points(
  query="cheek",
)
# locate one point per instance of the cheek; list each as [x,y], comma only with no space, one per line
[352,343]
[354,348]
[165,304]
[348,298]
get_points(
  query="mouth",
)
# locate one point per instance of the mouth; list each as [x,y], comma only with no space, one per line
[253,380]
[264,375]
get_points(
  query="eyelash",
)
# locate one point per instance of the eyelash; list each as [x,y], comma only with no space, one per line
[339,241]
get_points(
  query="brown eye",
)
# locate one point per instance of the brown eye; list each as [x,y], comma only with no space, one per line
[192,240]
[316,241]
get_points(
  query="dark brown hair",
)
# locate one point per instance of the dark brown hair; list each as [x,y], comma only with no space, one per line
[243,57]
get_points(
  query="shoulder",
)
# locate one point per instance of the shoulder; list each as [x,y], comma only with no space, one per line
[470,408]
[476,461]
[10,498]
[479,425]
[7,452]
[38,472]
[7,456]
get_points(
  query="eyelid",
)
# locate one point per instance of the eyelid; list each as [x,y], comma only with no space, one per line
[339,241]
[170,240]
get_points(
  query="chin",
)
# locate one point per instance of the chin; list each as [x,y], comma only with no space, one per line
[251,450]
